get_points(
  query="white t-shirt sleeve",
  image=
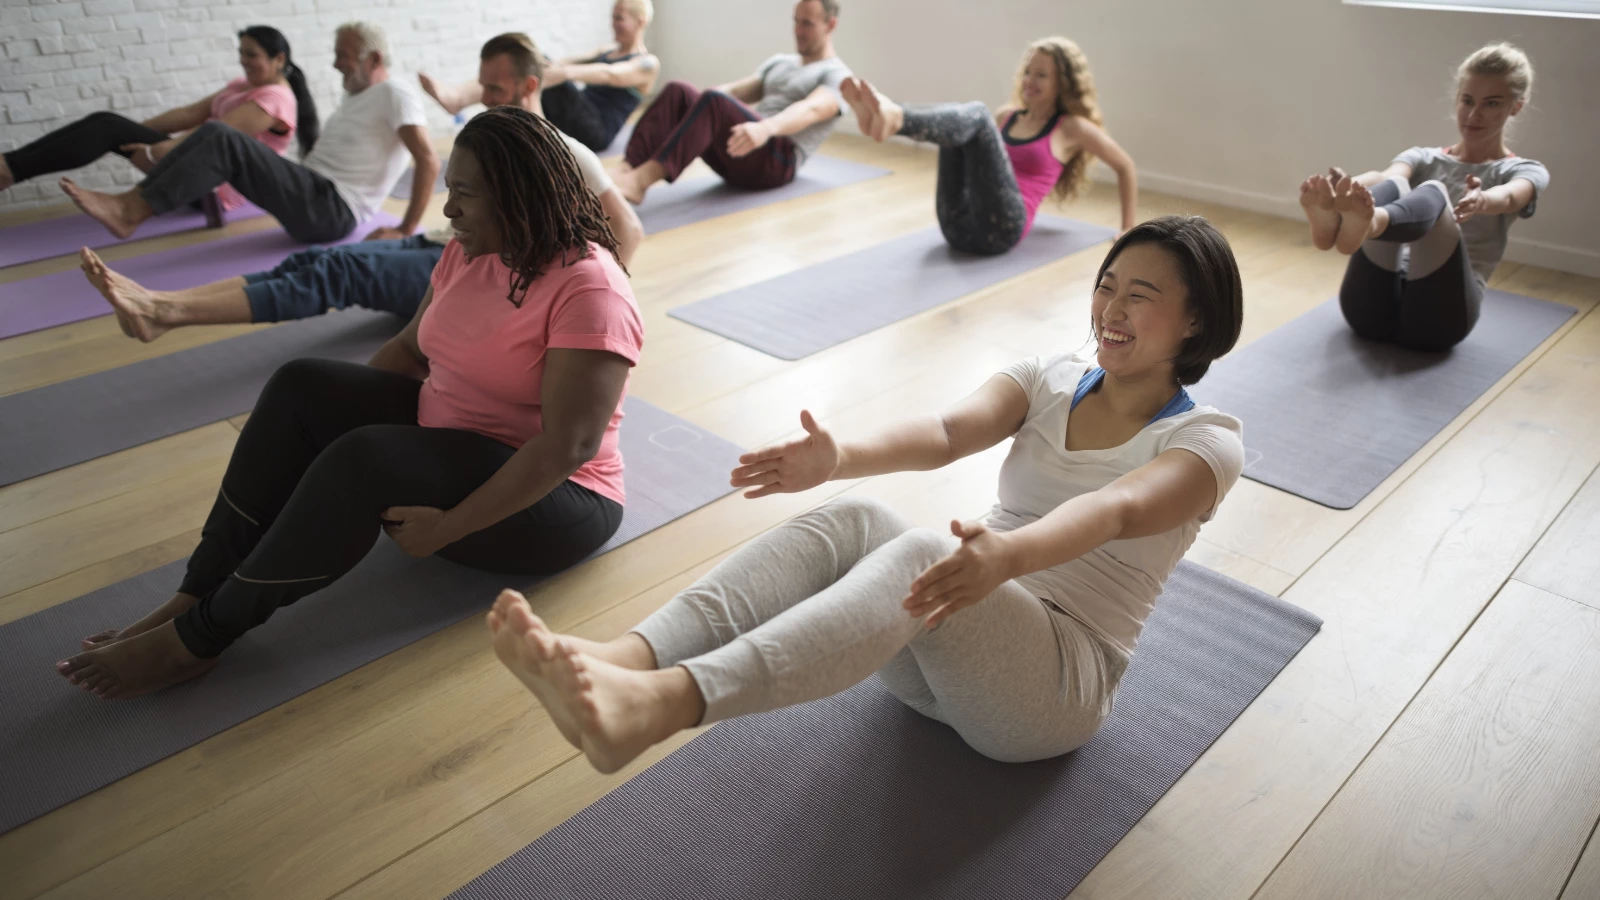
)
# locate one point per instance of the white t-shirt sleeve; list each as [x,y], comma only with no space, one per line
[405,108]
[1029,373]
[594,174]
[1218,441]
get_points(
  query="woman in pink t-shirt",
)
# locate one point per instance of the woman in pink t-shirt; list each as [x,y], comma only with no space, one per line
[485,432]
[270,101]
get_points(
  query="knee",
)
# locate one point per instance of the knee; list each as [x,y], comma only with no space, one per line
[922,546]
[877,522]
[677,88]
[212,131]
[1031,749]
[358,457]
[298,378]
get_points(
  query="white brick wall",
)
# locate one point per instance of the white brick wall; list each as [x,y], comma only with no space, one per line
[63,59]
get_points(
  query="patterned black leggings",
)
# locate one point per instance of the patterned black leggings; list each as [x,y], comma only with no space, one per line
[979,205]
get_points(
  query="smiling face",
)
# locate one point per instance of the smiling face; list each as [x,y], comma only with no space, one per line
[811,28]
[1484,103]
[1041,83]
[1141,314]
[355,65]
[470,206]
[259,68]
[503,86]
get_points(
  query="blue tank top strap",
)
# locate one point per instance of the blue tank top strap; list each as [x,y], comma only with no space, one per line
[1180,403]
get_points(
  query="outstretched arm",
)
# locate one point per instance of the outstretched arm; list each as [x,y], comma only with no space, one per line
[184,118]
[1368,179]
[1094,140]
[986,417]
[639,73]
[820,105]
[247,118]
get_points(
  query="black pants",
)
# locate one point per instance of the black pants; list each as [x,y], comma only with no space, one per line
[306,204]
[979,205]
[568,108]
[79,144]
[1432,305]
[329,446]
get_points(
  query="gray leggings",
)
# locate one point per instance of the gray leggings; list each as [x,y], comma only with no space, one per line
[979,206]
[1432,301]
[813,607]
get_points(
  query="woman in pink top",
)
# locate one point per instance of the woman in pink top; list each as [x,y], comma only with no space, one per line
[994,171]
[485,432]
[270,101]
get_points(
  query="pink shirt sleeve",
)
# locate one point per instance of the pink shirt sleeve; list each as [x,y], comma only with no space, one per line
[278,102]
[597,318]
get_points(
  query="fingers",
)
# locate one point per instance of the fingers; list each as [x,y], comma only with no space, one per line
[758,479]
[809,423]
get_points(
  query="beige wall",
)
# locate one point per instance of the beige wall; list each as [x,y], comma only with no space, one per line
[1227,100]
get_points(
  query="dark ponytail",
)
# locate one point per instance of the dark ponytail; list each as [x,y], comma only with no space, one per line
[307,127]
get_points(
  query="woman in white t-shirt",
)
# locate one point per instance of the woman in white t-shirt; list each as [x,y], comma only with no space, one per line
[1424,234]
[1015,631]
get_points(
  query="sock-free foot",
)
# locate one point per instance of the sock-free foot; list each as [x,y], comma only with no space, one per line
[135,666]
[1355,206]
[166,612]
[113,211]
[140,311]
[1316,198]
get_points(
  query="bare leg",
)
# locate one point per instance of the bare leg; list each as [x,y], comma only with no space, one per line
[609,712]
[135,666]
[121,214]
[147,314]
[1360,220]
[1316,198]
[633,183]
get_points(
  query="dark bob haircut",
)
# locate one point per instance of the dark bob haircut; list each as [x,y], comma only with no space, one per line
[1216,296]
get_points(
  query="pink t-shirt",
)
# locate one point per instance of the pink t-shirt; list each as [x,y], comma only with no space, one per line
[486,356]
[279,103]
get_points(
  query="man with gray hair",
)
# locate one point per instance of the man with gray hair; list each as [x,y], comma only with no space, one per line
[364,148]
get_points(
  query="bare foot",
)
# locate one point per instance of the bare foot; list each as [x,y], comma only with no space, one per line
[528,648]
[855,91]
[1354,203]
[1316,198]
[161,615]
[887,115]
[135,666]
[628,183]
[140,312]
[446,98]
[119,213]
[6,178]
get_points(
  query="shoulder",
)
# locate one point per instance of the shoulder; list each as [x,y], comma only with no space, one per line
[1207,427]
[1532,169]
[1417,156]
[579,152]
[777,59]
[1057,373]
[1004,113]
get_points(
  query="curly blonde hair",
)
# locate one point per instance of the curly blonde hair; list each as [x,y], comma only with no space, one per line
[1075,96]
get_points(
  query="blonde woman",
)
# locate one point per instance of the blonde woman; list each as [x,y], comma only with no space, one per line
[588,97]
[995,171]
[1425,234]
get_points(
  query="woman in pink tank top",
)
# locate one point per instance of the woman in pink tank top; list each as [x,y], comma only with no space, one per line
[269,101]
[994,171]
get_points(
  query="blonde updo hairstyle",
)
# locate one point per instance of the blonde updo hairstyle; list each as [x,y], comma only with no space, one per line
[1075,95]
[643,10]
[1502,60]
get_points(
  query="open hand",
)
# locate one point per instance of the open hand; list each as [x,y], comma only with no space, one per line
[792,467]
[748,137]
[970,573]
[419,530]
[1473,201]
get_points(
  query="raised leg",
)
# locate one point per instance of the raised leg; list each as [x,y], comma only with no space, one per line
[147,315]
[980,208]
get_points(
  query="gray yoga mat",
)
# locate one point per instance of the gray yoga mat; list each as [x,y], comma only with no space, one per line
[858,796]
[1328,416]
[69,422]
[827,303]
[58,743]
[697,199]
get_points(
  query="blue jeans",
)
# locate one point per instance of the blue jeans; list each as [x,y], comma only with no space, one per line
[390,276]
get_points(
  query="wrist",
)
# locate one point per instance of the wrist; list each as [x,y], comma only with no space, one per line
[839,467]
[1011,554]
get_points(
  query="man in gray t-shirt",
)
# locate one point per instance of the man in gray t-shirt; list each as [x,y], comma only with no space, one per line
[756,132]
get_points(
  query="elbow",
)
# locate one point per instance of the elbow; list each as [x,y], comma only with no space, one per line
[578,450]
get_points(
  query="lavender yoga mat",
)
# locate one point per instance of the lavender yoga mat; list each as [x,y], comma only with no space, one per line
[64,297]
[827,303]
[63,235]
[697,199]
[58,743]
[70,422]
[858,796]
[1329,416]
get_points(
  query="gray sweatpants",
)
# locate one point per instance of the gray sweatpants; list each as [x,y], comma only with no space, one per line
[813,607]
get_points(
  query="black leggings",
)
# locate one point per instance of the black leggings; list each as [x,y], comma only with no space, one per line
[979,205]
[570,109]
[329,446]
[1431,304]
[79,144]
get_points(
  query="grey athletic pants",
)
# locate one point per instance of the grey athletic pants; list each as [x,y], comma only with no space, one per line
[813,607]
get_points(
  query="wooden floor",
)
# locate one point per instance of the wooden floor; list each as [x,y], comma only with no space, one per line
[1435,740]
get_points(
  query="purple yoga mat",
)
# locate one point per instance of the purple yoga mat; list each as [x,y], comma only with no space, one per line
[64,297]
[57,237]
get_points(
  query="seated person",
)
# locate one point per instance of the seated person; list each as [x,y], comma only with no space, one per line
[340,184]
[270,103]
[1015,629]
[794,99]
[485,432]
[1425,234]
[991,178]
[588,97]
[388,275]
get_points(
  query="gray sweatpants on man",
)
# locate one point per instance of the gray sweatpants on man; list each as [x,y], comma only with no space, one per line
[813,607]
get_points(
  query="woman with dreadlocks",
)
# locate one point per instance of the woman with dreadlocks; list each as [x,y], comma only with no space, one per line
[995,170]
[485,432]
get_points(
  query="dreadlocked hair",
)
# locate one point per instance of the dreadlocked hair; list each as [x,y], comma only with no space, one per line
[545,210]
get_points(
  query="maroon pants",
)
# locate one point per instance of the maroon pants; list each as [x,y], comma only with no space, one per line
[684,123]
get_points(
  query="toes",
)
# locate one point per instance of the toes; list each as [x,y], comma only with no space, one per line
[520,617]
